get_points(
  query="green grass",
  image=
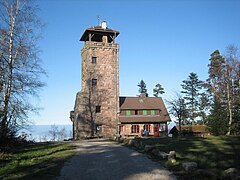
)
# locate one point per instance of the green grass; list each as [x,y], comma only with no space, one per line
[35,161]
[213,153]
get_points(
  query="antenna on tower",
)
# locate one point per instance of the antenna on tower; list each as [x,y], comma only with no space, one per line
[98,17]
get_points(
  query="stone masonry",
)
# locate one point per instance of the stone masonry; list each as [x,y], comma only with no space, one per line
[97,104]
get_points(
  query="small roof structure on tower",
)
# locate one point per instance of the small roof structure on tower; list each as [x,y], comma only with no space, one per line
[96,33]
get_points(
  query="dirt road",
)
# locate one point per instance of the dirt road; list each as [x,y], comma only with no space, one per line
[105,160]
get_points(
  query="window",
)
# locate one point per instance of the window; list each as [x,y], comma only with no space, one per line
[147,127]
[162,127]
[144,112]
[94,82]
[152,112]
[94,60]
[135,129]
[98,109]
[128,112]
[136,112]
[160,111]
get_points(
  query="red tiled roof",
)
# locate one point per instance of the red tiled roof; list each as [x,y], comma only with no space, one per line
[194,128]
[146,103]
[98,31]
[141,103]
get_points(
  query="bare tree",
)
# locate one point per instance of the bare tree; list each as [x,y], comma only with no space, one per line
[44,138]
[232,82]
[70,134]
[20,66]
[178,108]
[54,132]
[224,83]
[62,134]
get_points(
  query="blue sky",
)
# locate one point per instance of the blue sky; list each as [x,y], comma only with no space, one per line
[161,41]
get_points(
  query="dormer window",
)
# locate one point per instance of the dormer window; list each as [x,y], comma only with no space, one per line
[144,112]
[152,112]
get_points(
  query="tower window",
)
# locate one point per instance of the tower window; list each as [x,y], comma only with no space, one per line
[94,82]
[94,60]
[98,109]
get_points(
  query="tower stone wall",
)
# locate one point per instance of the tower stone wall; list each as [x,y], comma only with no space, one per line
[97,104]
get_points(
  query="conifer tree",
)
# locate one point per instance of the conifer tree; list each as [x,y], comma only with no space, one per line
[217,120]
[142,87]
[204,105]
[215,82]
[191,89]
[158,90]
[223,84]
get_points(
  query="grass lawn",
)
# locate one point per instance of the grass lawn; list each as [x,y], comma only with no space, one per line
[212,153]
[35,161]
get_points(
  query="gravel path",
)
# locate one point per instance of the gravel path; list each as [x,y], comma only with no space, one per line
[105,160]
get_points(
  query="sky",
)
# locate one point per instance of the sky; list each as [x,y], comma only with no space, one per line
[161,41]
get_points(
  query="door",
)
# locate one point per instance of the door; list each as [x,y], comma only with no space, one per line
[156,130]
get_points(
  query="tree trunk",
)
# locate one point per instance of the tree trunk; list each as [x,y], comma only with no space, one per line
[19,68]
[7,92]
[180,126]
[229,109]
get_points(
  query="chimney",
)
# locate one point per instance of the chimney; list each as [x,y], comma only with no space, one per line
[143,95]
[104,25]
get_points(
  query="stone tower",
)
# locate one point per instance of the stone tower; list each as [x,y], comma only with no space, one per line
[97,104]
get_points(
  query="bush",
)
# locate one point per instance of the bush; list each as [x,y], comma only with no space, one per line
[11,141]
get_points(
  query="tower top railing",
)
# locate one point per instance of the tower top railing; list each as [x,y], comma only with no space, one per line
[101,44]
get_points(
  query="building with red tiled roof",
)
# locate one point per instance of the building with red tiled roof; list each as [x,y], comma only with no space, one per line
[140,113]
[196,130]
[98,109]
